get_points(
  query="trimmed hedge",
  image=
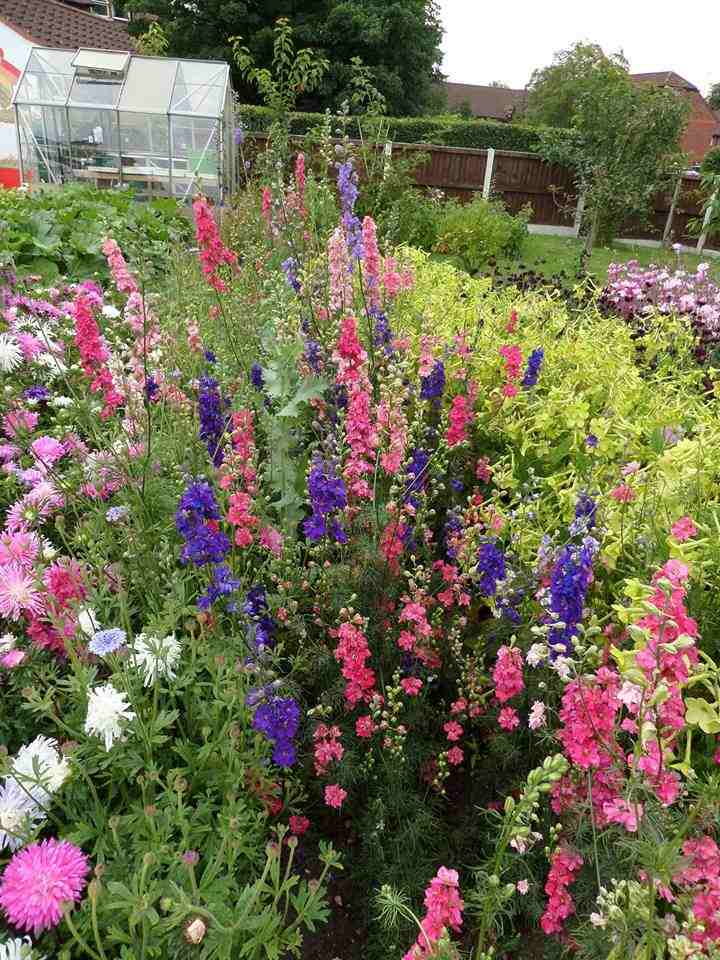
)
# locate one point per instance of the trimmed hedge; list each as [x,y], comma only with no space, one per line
[446,131]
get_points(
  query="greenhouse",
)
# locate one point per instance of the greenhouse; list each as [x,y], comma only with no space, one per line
[159,126]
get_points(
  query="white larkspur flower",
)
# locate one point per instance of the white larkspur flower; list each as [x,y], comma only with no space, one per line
[18,814]
[537,715]
[10,353]
[88,621]
[107,709]
[536,654]
[156,657]
[40,768]
[61,402]
[111,312]
[562,667]
[18,949]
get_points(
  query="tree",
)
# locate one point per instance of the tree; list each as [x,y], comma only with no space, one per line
[714,97]
[399,40]
[623,146]
[555,91]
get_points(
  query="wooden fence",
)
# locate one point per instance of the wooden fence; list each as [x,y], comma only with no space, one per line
[524,178]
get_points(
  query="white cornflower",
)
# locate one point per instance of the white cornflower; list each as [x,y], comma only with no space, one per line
[88,621]
[10,353]
[18,814]
[156,657]
[537,715]
[17,949]
[40,768]
[107,707]
[536,654]
[54,365]
[111,312]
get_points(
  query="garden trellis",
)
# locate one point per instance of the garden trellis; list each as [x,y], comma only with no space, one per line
[160,126]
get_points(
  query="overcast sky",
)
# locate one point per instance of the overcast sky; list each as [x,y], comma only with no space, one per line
[488,40]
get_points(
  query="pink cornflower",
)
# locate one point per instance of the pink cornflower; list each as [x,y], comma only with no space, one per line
[47,449]
[411,685]
[18,593]
[12,659]
[335,796]
[22,546]
[683,529]
[272,540]
[39,881]
[508,719]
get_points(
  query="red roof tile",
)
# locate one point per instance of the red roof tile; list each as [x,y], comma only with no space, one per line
[50,23]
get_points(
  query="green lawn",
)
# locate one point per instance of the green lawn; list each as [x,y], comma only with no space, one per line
[553,255]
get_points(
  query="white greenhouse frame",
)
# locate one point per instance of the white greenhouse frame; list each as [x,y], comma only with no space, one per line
[160,126]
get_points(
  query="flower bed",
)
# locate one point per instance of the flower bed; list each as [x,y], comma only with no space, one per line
[334,543]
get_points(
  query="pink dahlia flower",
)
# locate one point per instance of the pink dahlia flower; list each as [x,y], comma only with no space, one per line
[39,880]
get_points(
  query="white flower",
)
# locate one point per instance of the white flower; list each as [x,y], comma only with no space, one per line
[156,657]
[107,707]
[88,621]
[17,949]
[598,920]
[562,667]
[61,402]
[18,813]
[10,353]
[112,313]
[40,768]
[630,694]
[536,654]
[537,715]
[7,643]
[54,365]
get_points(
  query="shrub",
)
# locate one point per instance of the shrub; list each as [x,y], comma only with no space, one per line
[444,130]
[480,231]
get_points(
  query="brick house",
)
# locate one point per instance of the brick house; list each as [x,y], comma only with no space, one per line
[49,23]
[703,128]
[502,103]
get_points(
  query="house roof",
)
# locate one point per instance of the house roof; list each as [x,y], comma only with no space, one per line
[665,78]
[497,103]
[50,23]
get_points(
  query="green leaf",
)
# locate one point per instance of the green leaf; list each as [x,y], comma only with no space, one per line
[310,389]
[700,713]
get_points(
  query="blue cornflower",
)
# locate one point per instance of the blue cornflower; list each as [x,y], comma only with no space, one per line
[433,384]
[490,567]
[532,372]
[591,440]
[36,393]
[107,641]
[116,514]
[210,356]
[256,377]
[213,418]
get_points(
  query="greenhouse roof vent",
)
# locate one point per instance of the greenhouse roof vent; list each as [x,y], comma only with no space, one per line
[100,64]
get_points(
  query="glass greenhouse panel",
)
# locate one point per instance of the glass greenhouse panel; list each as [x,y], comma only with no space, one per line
[155,125]
[47,78]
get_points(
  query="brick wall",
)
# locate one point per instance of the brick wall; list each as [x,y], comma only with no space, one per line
[702,125]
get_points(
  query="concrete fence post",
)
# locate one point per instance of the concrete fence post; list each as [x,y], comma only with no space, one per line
[671,214]
[489,164]
[579,211]
[706,222]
